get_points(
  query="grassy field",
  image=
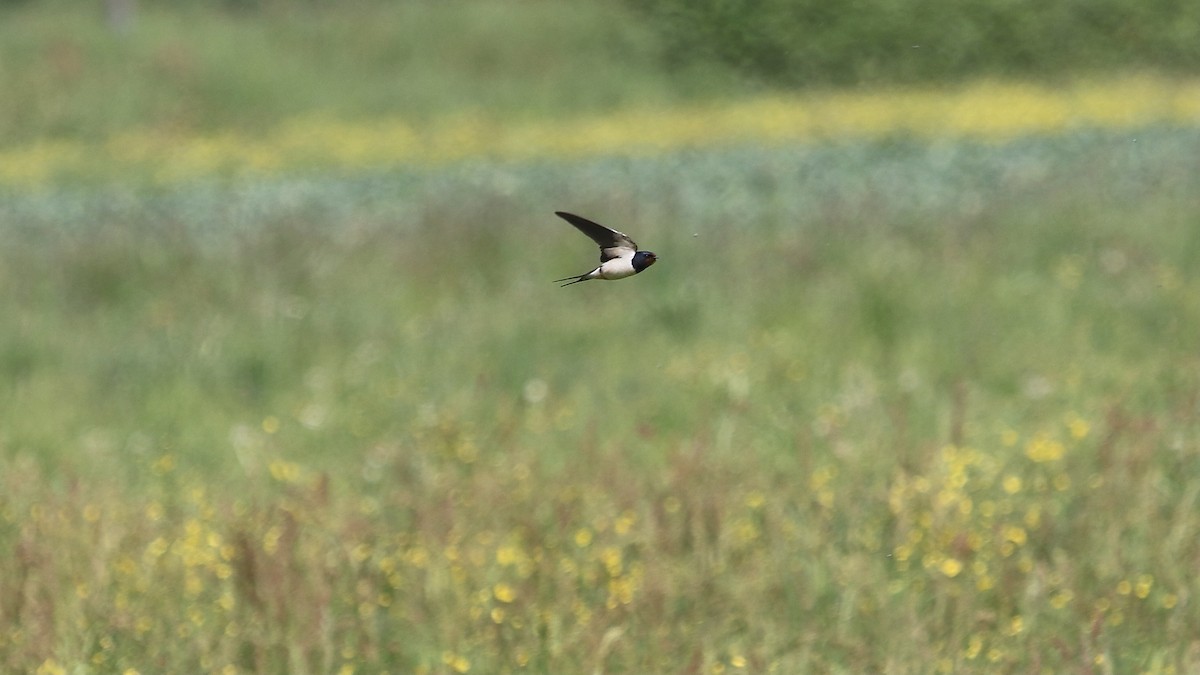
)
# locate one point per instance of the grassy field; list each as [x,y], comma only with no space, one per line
[990,110]
[938,412]
[914,388]
[197,69]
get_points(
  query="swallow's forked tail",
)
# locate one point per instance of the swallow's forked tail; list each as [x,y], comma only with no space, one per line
[572,280]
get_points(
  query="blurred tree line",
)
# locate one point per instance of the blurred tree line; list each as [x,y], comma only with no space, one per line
[806,42]
[801,42]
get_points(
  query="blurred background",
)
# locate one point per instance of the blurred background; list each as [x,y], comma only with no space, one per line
[285,385]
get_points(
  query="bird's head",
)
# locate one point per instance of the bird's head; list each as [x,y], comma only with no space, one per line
[643,259]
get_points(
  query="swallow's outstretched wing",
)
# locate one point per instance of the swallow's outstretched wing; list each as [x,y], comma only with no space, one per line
[613,244]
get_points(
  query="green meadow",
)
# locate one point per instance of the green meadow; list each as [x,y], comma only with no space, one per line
[889,404]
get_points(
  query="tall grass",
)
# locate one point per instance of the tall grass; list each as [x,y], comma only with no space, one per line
[884,406]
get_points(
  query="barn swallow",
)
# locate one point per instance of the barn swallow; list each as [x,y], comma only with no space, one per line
[619,255]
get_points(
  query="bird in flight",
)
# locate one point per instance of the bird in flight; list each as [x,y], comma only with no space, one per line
[619,255]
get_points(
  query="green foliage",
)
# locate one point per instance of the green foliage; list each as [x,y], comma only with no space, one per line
[193,67]
[806,42]
[887,406]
